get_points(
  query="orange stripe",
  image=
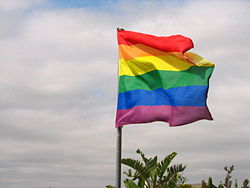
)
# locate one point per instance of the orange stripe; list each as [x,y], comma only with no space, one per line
[139,50]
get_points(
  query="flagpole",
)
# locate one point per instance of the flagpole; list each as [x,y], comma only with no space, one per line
[118,150]
[118,156]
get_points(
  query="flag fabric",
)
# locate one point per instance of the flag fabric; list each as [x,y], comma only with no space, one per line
[160,81]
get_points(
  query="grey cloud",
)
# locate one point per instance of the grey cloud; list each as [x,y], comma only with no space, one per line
[59,82]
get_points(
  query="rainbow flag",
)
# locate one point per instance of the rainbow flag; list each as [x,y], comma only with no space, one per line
[160,81]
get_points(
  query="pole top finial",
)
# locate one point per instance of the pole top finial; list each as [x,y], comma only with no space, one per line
[119,29]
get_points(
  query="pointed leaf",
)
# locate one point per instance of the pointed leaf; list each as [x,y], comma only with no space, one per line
[136,165]
[109,186]
[142,156]
[173,171]
[163,165]
[130,184]
[152,169]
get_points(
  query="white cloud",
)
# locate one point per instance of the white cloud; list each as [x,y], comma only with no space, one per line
[15,5]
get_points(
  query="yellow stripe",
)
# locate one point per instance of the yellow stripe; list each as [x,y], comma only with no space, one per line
[197,60]
[173,62]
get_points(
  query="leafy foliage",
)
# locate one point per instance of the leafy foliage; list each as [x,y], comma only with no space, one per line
[210,183]
[245,184]
[185,186]
[152,174]
[109,186]
[149,173]
[227,181]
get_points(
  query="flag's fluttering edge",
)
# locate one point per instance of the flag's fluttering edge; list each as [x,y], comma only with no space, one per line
[160,81]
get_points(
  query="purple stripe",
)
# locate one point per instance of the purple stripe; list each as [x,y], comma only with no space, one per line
[182,115]
[174,116]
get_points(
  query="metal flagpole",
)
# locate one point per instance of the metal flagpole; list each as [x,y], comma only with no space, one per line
[118,156]
[118,150]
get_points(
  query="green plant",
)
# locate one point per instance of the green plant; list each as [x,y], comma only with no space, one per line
[149,173]
[210,183]
[109,186]
[220,185]
[152,174]
[245,184]
[185,186]
[227,181]
[182,179]
[236,184]
[130,184]
[203,184]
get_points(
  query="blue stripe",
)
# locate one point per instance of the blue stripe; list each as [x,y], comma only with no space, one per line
[179,96]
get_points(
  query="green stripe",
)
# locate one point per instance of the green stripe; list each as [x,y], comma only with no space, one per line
[166,79]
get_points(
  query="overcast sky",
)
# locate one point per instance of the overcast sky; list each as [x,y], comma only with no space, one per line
[58,90]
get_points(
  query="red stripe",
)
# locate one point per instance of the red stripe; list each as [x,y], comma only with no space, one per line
[175,43]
